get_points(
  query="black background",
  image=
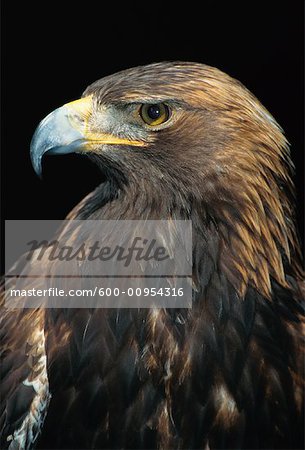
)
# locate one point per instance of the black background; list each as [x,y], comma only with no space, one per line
[52,50]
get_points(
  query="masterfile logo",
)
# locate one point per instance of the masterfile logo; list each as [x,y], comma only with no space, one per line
[98,263]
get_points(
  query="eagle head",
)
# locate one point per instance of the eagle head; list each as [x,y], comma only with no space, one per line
[185,140]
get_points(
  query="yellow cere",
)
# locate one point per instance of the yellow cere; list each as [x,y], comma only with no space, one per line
[80,112]
[82,107]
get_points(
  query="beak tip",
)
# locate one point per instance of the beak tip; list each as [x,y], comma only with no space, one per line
[36,163]
[37,150]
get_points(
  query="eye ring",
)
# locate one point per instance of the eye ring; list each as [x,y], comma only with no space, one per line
[154,114]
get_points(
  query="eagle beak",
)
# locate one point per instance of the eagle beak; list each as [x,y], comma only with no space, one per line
[67,130]
[62,131]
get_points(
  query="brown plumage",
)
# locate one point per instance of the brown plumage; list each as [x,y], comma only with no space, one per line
[229,372]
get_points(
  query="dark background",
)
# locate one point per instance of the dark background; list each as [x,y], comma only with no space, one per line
[52,50]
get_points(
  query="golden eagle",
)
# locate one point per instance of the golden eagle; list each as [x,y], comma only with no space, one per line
[184,141]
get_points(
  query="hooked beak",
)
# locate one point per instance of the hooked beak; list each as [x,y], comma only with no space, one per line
[68,130]
[61,132]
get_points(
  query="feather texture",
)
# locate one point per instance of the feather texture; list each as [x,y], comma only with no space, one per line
[227,373]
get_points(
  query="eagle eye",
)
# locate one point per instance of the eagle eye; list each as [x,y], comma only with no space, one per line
[154,113]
